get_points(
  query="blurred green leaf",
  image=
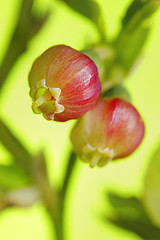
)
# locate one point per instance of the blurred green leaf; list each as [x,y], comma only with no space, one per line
[128,49]
[88,8]
[139,11]
[129,214]
[11,177]
[151,195]
[130,41]
[128,207]
[135,28]
[15,147]
[91,10]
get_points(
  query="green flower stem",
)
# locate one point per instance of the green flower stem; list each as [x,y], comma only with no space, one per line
[52,198]
[58,217]
[56,221]
[71,165]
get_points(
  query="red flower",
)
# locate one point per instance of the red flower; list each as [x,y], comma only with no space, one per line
[64,84]
[112,129]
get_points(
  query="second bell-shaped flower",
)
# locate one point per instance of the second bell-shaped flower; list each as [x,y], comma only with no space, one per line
[112,129]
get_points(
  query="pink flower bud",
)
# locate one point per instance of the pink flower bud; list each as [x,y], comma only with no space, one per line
[64,84]
[112,129]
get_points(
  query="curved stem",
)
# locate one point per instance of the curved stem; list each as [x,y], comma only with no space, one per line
[56,221]
[69,170]
[58,216]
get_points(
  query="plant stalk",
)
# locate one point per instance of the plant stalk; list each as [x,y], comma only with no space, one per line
[57,216]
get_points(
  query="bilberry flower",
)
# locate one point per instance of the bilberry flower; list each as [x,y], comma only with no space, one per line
[64,84]
[112,129]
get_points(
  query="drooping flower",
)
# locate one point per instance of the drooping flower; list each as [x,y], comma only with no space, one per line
[64,84]
[112,129]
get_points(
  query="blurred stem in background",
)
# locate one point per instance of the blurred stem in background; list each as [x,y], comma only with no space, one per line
[58,213]
[114,59]
[28,25]
[34,168]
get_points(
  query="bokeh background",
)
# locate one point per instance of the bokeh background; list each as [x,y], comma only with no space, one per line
[86,199]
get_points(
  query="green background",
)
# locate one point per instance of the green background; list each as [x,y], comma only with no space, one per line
[86,200]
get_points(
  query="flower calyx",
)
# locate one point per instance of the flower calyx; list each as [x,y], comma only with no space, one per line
[47,100]
[97,156]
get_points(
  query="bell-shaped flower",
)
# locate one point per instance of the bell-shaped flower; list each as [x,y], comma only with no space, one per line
[64,84]
[112,129]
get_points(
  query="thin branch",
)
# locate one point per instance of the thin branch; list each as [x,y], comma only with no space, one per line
[58,213]
[27,26]
[69,170]
[14,146]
